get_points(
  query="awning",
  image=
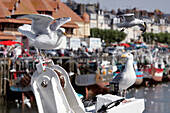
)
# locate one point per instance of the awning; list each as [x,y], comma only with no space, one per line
[70,25]
[9,43]
[124,44]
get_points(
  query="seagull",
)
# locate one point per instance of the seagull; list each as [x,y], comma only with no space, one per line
[127,77]
[42,33]
[130,21]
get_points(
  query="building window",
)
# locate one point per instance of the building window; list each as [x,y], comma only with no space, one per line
[69,31]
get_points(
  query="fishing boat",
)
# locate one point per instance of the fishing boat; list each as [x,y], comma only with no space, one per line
[139,74]
[153,73]
[93,77]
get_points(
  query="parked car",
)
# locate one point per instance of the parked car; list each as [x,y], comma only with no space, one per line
[1,54]
[51,53]
[109,50]
[66,52]
[32,50]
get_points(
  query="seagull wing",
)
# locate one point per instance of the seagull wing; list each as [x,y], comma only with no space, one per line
[128,17]
[118,77]
[40,22]
[59,22]
[26,30]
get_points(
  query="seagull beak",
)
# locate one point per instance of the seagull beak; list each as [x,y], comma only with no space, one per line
[144,25]
[65,33]
[123,56]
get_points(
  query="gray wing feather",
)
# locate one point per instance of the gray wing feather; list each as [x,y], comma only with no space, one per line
[40,22]
[59,22]
[128,17]
[26,30]
[118,77]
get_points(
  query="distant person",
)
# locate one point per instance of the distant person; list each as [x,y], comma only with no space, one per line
[5,52]
[62,52]
[97,51]
[86,49]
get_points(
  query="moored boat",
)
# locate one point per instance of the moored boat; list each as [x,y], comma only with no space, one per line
[139,77]
[153,73]
[158,74]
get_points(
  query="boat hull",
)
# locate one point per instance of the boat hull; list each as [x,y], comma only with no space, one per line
[157,75]
[139,78]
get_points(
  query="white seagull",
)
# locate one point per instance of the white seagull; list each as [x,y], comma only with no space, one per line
[42,33]
[130,21]
[127,77]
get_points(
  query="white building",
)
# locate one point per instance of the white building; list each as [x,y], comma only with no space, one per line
[109,21]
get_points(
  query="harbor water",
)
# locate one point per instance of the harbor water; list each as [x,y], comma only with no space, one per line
[157,97]
[157,100]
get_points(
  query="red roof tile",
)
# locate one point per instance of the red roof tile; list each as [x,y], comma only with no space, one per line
[63,10]
[9,3]
[3,10]
[25,7]
[58,8]
[42,5]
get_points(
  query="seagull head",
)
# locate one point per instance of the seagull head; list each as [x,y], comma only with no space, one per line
[61,31]
[128,56]
[143,26]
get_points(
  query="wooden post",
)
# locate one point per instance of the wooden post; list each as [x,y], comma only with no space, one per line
[1,70]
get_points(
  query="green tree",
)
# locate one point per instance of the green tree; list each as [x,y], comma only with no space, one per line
[157,37]
[108,35]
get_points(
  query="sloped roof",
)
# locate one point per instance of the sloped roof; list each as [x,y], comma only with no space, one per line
[62,10]
[42,5]
[25,7]
[3,10]
[58,8]
[9,3]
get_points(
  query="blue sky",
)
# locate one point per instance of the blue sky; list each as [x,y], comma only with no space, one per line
[149,5]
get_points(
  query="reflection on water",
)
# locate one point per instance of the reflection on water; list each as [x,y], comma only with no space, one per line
[157,100]
[13,107]
[157,97]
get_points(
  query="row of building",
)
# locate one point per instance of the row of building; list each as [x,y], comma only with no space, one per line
[84,17]
[156,21]
[79,27]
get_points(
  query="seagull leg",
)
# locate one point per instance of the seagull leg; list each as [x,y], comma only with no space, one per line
[37,51]
[38,54]
[124,91]
[121,93]
[44,59]
[41,57]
